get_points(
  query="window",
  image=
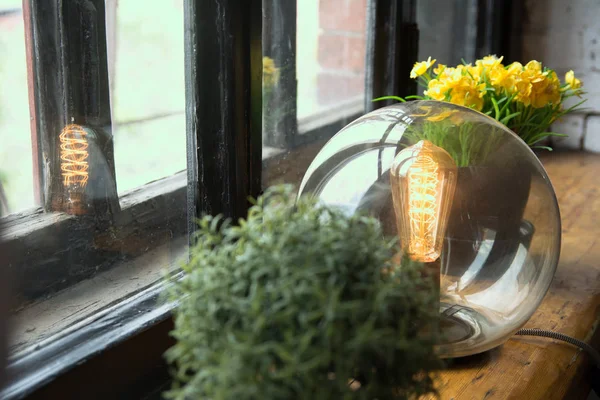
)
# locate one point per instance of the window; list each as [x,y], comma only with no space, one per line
[88,258]
[109,159]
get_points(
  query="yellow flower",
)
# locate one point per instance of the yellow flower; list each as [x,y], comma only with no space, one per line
[474,70]
[424,111]
[469,95]
[484,67]
[452,76]
[457,85]
[537,88]
[534,66]
[445,115]
[572,81]
[545,90]
[268,65]
[513,74]
[506,78]
[270,73]
[515,68]
[490,62]
[499,77]
[436,89]
[439,69]
[421,67]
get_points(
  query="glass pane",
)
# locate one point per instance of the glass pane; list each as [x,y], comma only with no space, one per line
[331,54]
[147,90]
[16,162]
[314,74]
[447,30]
[91,247]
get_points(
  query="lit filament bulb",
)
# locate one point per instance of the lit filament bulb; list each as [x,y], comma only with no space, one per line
[74,160]
[423,179]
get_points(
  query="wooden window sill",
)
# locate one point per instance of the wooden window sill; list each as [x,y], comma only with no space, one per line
[75,306]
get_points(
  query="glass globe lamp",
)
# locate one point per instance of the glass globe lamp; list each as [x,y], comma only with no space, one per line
[464,195]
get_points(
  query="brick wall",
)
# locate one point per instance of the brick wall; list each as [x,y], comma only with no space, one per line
[565,35]
[341,51]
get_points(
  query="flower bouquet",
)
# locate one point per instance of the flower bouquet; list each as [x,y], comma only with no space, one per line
[527,99]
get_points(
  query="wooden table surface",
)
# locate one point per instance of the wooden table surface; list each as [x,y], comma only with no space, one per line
[538,368]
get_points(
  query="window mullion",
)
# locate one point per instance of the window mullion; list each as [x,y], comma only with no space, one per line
[223,105]
[70,86]
[279,43]
[392,49]
[499,28]
[38,182]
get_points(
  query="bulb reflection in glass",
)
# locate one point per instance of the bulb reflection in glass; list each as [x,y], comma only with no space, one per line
[423,179]
[74,166]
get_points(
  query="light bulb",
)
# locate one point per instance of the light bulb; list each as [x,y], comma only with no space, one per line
[423,179]
[74,166]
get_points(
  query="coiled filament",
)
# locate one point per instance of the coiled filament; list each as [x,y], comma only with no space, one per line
[423,205]
[74,155]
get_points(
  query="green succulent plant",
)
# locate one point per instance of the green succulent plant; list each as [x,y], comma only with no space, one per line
[300,301]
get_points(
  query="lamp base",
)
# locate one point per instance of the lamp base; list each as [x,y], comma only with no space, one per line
[466,331]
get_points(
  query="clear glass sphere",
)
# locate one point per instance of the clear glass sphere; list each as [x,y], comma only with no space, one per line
[462,192]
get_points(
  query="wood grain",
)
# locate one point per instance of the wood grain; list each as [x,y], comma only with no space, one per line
[537,368]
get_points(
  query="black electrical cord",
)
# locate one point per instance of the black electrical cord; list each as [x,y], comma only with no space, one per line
[559,336]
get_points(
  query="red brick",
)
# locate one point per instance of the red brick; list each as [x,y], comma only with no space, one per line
[355,54]
[332,54]
[343,15]
[339,52]
[358,14]
[333,88]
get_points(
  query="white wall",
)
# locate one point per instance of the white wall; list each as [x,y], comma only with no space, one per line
[565,35]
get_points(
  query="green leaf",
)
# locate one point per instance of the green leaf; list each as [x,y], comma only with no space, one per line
[400,99]
[495,104]
[555,134]
[506,119]
[542,147]
[411,97]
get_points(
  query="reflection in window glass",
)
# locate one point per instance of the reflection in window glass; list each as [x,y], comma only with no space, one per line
[146,69]
[16,165]
[314,79]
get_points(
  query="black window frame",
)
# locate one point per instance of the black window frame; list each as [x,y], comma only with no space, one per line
[225,166]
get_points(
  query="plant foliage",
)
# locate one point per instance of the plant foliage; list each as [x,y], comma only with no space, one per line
[463,141]
[300,301]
